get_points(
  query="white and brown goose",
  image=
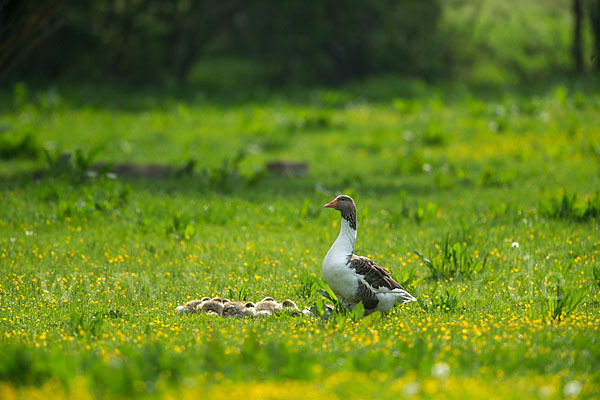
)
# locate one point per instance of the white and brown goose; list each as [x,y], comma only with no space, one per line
[354,278]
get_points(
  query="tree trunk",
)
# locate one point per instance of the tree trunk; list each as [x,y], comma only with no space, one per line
[577,36]
[595,16]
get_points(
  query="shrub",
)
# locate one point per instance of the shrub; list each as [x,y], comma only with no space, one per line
[453,260]
[560,301]
[25,147]
[446,301]
[570,208]
[596,275]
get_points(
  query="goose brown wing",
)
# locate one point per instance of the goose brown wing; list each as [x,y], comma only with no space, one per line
[375,275]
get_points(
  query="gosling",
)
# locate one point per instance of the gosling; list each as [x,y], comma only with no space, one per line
[191,306]
[267,306]
[239,309]
[212,307]
[290,306]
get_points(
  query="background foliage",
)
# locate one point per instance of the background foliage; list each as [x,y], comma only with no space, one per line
[224,44]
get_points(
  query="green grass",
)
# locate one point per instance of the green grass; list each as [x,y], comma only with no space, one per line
[94,265]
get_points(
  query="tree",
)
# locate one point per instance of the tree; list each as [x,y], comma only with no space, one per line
[577,35]
[145,41]
[25,26]
[595,17]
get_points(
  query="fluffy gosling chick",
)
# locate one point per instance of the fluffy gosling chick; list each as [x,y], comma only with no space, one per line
[191,306]
[239,309]
[267,306]
[289,305]
[212,307]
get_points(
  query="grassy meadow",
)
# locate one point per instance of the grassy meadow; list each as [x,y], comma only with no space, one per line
[499,190]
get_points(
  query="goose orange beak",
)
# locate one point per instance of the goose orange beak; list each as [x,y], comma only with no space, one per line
[331,204]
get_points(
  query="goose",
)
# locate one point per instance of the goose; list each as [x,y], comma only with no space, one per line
[239,309]
[267,306]
[291,307]
[191,306]
[212,307]
[250,309]
[354,279]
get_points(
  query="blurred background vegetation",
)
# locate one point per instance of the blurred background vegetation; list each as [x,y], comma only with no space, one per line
[240,45]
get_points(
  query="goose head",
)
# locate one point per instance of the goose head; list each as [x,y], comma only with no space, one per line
[345,205]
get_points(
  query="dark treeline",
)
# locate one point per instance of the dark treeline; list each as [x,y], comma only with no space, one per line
[144,41]
[269,42]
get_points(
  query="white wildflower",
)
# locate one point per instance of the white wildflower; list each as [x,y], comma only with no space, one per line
[410,389]
[440,370]
[572,389]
